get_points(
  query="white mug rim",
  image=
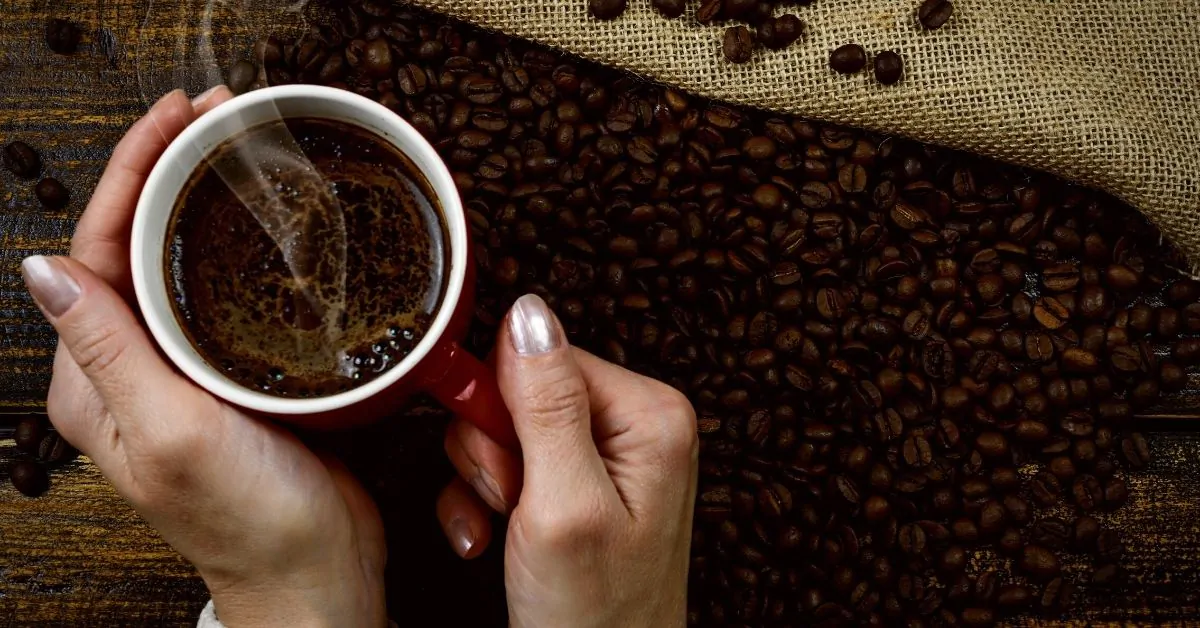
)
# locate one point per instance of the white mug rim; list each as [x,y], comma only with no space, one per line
[396,131]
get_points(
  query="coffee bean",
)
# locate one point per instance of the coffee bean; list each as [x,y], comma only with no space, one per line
[1014,597]
[29,478]
[935,13]
[606,9]
[889,67]
[1109,546]
[241,75]
[53,449]
[669,8]
[1039,563]
[738,44]
[52,194]
[848,59]
[1136,451]
[1051,533]
[62,36]
[21,160]
[29,433]
[780,32]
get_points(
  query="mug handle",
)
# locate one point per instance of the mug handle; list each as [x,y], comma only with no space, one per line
[468,389]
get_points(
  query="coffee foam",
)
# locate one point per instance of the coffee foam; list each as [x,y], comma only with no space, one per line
[309,270]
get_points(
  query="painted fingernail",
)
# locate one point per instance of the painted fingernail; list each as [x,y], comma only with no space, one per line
[51,286]
[489,489]
[203,98]
[533,327]
[460,535]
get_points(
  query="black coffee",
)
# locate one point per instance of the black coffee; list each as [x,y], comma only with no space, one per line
[305,278]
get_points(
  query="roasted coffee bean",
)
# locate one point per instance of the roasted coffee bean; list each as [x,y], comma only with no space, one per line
[738,44]
[889,67]
[53,449]
[52,194]
[935,13]
[669,8]
[607,9]
[1109,546]
[21,160]
[780,32]
[1052,533]
[29,478]
[848,59]
[29,433]
[1039,563]
[241,76]
[62,36]
[1136,451]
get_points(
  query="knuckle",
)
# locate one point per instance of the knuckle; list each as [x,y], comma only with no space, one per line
[553,399]
[99,350]
[677,421]
[562,528]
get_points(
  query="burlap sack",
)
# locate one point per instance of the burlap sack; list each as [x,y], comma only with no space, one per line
[1102,92]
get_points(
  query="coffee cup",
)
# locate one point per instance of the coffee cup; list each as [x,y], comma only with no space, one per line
[438,364]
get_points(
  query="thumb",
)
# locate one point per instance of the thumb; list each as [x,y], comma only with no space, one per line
[101,333]
[548,397]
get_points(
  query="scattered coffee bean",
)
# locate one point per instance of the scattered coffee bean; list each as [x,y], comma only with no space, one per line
[241,76]
[848,59]
[52,194]
[62,36]
[29,478]
[607,9]
[935,13]
[738,44]
[21,160]
[889,67]
[669,8]
[29,433]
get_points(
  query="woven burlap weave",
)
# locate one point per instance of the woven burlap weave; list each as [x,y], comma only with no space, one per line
[1102,92]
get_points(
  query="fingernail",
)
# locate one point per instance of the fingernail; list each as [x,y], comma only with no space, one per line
[51,286]
[489,489]
[203,98]
[533,327]
[460,535]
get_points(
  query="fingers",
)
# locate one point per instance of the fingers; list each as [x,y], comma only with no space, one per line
[209,100]
[493,471]
[545,391]
[102,237]
[465,519]
[104,338]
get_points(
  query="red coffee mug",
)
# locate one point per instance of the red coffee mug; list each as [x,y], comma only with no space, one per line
[437,365]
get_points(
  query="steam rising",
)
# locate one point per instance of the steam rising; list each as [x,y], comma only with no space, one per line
[296,206]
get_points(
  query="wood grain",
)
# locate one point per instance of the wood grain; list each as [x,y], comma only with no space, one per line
[80,557]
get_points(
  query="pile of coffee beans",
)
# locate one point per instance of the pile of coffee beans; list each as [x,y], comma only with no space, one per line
[25,163]
[39,447]
[916,372]
[762,28]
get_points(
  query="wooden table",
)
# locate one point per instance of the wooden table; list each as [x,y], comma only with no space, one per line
[80,557]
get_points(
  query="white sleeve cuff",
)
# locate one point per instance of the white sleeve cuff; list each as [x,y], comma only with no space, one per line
[208,618]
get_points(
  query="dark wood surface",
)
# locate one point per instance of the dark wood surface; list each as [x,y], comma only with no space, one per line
[80,557]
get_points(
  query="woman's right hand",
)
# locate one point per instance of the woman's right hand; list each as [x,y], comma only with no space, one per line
[601,496]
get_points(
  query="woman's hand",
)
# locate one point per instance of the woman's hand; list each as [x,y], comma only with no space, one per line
[602,500]
[281,536]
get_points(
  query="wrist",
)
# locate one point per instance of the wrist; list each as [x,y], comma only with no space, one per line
[333,604]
